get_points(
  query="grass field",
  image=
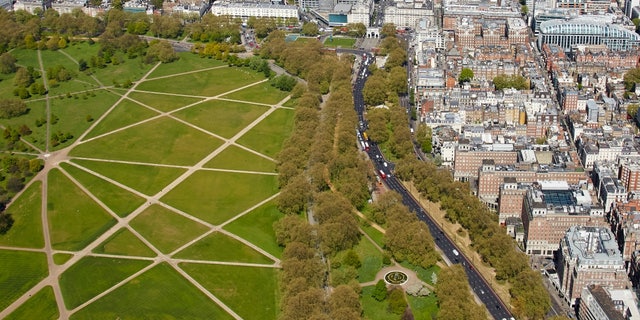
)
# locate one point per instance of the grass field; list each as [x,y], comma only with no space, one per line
[165,229]
[100,273]
[268,136]
[163,141]
[370,258]
[261,93]
[188,62]
[73,113]
[217,196]
[41,306]
[61,258]
[120,201]
[339,42]
[146,179]
[74,219]
[372,232]
[225,118]
[126,113]
[81,50]
[37,110]
[26,212]
[422,273]
[204,83]
[125,243]
[79,80]
[159,293]
[220,247]
[423,308]
[162,102]
[128,69]
[257,227]
[236,158]
[250,292]
[374,309]
[21,270]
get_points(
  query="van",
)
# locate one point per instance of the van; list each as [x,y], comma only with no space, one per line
[456,252]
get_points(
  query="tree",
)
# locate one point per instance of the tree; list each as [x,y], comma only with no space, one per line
[10,108]
[6,221]
[22,78]
[398,80]
[352,259]
[375,90]
[524,10]
[7,63]
[631,78]
[310,29]
[632,110]
[388,30]
[397,302]
[157,4]
[466,75]
[160,51]
[380,291]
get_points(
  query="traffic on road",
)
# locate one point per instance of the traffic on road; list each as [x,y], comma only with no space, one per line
[385,169]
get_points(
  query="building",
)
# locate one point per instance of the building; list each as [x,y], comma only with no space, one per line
[245,10]
[588,256]
[598,303]
[550,209]
[511,199]
[587,30]
[467,163]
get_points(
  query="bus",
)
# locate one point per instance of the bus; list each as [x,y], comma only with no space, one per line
[364,135]
[383,175]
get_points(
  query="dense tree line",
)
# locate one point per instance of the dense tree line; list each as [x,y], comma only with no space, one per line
[454,296]
[15,172]
[488,238]
[515,81]
[319,154]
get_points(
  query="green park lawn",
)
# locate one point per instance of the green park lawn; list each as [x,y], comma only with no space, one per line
[217,196]
[372,232]
[374,309]
[165,229]
[26,57]
[236,158]
[370,259]
[188,62]
[41,306]
[74,219]
[424,308]
[162,102]
[125,113]
[37,111]
[163,141]
[61,258]
[146,179]
[81,50]
[261,93]
[257,227]
[128,69]
[251,292]
[422,273]
[26,211]
[205,83]
[220,247]
[100,273]
[224,118]
[339,42]
[159,293]
[73,113]
[21,270]
[125,243]
[268,136]
[79,80]
[120,201]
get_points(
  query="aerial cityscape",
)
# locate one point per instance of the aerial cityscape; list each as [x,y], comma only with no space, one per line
[319,159]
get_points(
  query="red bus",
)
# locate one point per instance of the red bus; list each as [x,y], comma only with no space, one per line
[383,175]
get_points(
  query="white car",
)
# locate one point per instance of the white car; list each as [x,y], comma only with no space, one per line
[456,252]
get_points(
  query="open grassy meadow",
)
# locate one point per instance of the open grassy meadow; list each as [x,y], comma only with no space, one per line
[156,200]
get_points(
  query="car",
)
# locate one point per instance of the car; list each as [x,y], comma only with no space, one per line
[455,252]
[384,164]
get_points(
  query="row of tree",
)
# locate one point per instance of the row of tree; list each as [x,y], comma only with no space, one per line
[319,154]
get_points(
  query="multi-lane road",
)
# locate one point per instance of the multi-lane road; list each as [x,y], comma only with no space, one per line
[451,252]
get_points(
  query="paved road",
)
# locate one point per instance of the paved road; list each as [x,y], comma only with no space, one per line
[480,287]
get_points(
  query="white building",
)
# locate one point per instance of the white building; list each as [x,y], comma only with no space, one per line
[408,13]
[262,10]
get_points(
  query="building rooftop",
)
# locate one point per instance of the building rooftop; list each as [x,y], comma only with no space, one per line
[594,246]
